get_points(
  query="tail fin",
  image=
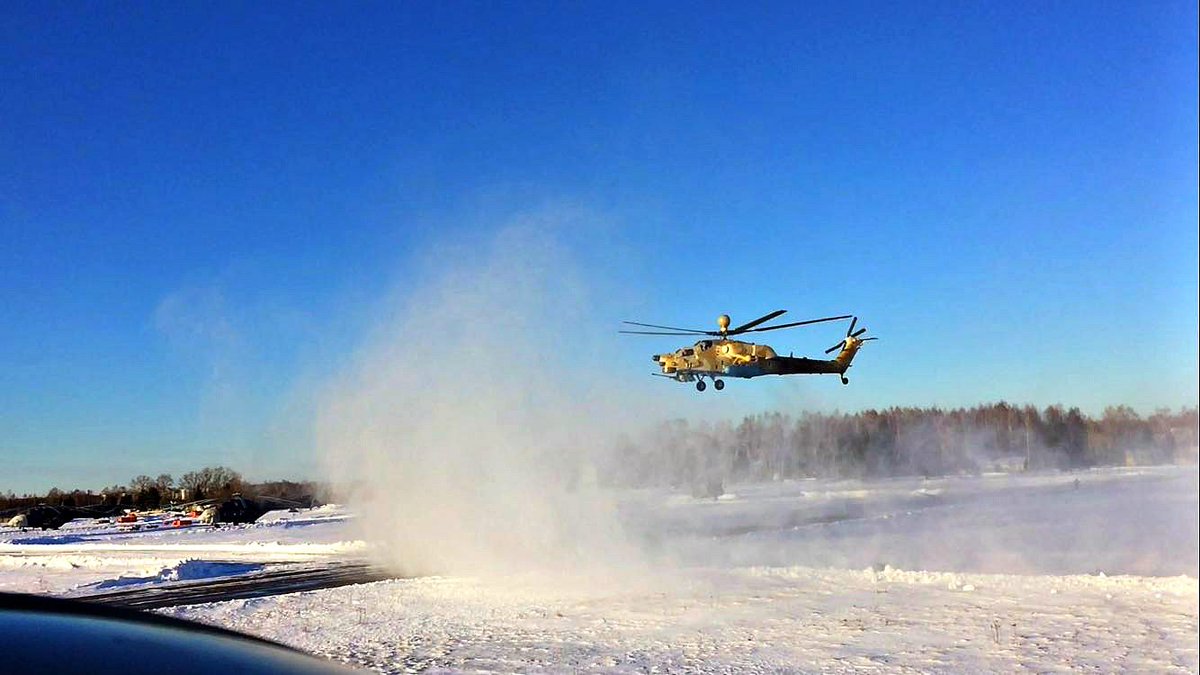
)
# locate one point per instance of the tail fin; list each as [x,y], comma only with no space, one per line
[850,347]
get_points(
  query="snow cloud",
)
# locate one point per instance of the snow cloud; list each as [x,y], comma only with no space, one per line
[469,423]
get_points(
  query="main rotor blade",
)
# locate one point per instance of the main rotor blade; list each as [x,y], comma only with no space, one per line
[644,332]
[851,328]
[794,324]
[682,330]
[752,324]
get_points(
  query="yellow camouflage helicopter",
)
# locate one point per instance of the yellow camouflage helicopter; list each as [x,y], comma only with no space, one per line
[723,357]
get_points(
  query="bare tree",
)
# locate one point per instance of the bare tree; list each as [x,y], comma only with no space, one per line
[193,483]
[211,481]
[164,482]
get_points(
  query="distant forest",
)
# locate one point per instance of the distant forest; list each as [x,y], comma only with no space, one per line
[702,457]
[901,442]
[146,492]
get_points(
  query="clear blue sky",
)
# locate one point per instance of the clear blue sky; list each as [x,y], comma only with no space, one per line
[199,201]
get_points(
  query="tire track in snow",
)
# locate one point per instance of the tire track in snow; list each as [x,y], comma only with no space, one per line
[276,581]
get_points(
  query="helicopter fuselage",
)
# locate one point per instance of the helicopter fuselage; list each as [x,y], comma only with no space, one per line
[734,358]
[713,356]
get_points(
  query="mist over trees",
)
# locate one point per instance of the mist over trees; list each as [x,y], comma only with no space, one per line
[901,442]
[702,456]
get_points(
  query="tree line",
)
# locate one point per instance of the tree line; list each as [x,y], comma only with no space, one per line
[901,442]
[145,492]
[704,455]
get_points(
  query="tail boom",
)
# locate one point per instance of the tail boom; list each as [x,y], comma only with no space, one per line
[789,365]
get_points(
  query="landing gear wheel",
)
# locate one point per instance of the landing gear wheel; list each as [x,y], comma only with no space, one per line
[719,384]
[845,380]
[700,386]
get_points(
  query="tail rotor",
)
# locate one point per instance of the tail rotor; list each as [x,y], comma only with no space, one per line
[852,336]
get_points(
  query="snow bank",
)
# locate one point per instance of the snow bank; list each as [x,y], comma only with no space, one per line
[187,570]
[291,516]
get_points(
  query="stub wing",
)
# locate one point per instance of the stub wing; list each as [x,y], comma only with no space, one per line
[691,374]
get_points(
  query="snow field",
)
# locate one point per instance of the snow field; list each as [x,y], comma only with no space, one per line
[753,620]
[1001,573]
[797,577]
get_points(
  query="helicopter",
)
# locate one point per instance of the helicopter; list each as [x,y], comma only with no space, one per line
[723,357]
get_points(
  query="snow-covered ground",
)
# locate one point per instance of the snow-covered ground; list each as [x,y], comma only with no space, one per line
[1130,521]
[781,619]
[996,573]
[87,555]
